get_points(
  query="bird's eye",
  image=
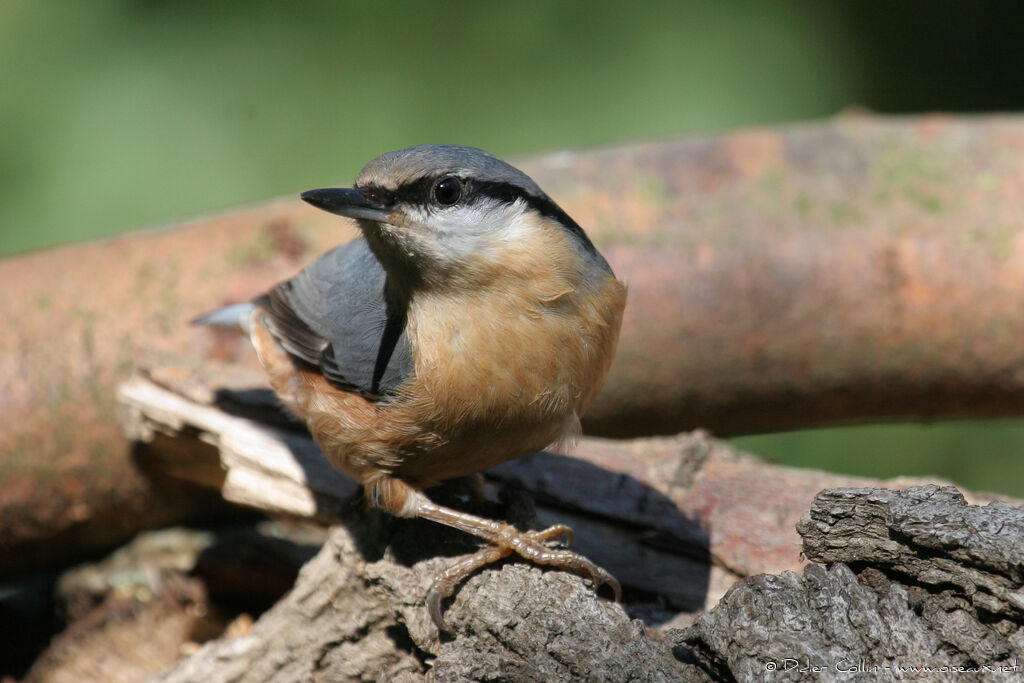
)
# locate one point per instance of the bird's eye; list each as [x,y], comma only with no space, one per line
[448,191]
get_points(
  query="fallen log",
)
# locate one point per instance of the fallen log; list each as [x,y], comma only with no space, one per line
[351,617]
[682,522]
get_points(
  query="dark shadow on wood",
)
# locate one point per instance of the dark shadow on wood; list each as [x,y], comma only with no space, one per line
[259,404]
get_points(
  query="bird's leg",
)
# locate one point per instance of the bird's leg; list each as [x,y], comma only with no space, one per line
[403,500]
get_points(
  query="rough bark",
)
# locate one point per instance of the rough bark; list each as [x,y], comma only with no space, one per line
[917,578]
[357,614]
[356,611]
[861,268]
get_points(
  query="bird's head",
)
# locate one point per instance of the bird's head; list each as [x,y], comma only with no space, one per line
[439,215]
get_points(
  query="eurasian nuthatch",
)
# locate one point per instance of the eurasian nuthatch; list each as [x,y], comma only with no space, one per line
[472,324]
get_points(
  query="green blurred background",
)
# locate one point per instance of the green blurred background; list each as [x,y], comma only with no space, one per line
[121,114]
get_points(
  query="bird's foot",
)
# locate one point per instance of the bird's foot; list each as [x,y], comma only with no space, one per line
[530,545]
[399,498]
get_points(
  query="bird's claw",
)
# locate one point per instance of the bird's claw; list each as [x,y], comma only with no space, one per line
[600,578]
[530,545]
[556,532]
[434,610]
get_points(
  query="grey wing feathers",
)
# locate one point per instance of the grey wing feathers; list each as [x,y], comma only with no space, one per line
[334,316]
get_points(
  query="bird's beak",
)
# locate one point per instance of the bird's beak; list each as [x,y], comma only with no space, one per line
[347,201]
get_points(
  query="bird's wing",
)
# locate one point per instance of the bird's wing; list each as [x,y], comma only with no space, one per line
[334,317]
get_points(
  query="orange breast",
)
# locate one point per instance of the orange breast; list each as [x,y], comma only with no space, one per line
[499,372]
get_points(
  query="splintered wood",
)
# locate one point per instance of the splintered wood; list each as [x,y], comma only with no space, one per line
[264,467]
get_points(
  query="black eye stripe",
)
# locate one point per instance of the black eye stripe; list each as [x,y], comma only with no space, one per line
[416,192]
[419,192]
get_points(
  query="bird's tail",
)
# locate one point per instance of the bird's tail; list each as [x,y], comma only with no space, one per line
[235,316]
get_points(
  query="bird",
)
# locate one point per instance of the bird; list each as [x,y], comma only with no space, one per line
[472,322]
